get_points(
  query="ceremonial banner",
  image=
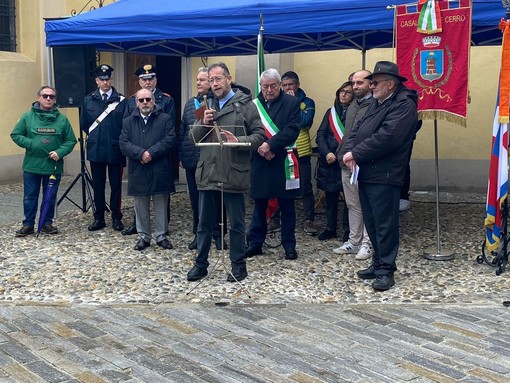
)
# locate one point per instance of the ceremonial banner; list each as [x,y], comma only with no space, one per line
[497,189]
[432,42]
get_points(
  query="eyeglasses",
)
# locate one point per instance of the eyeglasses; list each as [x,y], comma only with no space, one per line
[216,79]
[272,86]
[376,82]
[343,91]
[146,99]
[50,96]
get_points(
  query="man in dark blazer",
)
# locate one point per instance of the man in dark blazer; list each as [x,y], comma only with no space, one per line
[274,168]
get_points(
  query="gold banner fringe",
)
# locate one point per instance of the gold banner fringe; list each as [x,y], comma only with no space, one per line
[442,115]
[504,120]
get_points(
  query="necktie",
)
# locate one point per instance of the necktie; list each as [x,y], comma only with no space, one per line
[105,97]
[145,118]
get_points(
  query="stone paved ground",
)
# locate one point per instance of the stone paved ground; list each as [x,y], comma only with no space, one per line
[85,307]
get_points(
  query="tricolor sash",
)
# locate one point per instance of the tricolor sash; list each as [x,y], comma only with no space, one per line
[291,163]
[336,125]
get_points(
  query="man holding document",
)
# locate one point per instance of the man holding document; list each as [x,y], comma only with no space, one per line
[358,242]
[379,144]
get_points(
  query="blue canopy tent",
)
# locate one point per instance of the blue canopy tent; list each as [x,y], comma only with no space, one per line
[197,28]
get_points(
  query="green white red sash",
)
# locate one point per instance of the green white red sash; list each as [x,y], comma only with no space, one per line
[429,20]
[336,125]
[291,163]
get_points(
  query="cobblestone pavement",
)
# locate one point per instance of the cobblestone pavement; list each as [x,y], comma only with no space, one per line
[86,307]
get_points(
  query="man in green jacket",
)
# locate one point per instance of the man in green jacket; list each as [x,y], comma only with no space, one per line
[47,137]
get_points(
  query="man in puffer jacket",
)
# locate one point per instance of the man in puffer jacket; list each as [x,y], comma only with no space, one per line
[47,137]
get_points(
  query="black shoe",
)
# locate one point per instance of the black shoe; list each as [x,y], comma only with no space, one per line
[142,244]
[196,273]
[117,225]
[193,244]
[217,242]
[24,231]
[290,254]
[130,230]
[327,234]
[97,225]
[238,273]
[383,282]
[368,273]
[252,251]
[165,244]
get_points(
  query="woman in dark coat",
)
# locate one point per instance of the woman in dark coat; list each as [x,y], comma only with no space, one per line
[328,138]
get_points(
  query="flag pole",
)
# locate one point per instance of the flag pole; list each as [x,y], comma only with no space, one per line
[261,64]
[437,254]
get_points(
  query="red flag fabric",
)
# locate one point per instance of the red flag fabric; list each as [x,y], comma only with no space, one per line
[437,64]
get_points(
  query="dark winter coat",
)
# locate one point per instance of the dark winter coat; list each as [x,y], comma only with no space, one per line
[158,138]
[189,153]
[381,141]
[329,175]
[103,141]
[229,166]
[268,177]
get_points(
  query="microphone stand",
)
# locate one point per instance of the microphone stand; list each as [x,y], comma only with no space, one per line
[221,144]
[86,183]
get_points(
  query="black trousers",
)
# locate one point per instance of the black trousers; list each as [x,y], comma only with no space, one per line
[98,171]
[379,204]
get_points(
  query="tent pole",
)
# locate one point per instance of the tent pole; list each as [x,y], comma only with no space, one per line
[49,66]
[431,254]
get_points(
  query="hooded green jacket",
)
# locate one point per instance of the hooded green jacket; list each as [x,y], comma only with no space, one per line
[39,132]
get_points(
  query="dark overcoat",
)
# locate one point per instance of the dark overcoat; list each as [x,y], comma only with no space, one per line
[158,138]
[268,177]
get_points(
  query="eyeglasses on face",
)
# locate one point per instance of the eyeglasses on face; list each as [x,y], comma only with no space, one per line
[50,96]
[343,91]
[377,82]
[216,79]
[145,99]
[273,86]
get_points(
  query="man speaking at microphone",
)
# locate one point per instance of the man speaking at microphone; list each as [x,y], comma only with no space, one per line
[224,168]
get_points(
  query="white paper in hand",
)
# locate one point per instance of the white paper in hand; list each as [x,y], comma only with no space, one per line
[354,175]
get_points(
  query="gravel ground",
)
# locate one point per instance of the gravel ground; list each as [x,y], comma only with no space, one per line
[78,266]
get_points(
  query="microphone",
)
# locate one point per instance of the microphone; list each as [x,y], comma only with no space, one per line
[210,98]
